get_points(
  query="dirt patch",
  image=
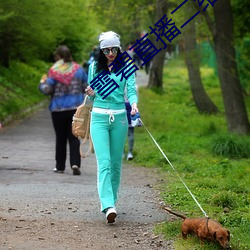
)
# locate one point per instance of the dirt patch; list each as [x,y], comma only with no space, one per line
[51,234]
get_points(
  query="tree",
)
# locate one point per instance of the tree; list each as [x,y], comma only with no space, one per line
[28,33]
[201,99]
[127,18]
[23,33]
[156,71]
[241,17]
[223,38]
[242,33]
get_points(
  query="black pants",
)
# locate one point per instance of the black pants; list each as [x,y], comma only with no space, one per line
[62,122]
[130,139]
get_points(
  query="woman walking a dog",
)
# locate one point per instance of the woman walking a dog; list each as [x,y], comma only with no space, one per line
[109,123]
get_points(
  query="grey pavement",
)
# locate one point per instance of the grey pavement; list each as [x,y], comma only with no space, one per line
[28,183]
[141,78]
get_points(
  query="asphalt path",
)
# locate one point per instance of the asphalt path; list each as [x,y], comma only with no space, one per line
[31,190]
[26,164]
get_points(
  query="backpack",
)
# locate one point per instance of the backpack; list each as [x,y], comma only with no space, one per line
[81,126]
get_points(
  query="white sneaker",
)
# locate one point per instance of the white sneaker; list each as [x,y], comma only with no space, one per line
[111,214]
[76,170]
[130,156]
[58,171]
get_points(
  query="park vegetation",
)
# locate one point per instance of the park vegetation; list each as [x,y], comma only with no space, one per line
[198,114]
[212,162]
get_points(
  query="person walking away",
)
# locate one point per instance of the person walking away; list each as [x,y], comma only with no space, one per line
[131,129]
[130,133]
[109,123]
[66,83]
[148,62]
[93,55]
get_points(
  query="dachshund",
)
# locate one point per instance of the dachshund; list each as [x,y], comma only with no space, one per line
[204,229]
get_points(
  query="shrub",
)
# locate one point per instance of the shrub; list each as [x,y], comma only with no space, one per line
[231,146]
[223,200]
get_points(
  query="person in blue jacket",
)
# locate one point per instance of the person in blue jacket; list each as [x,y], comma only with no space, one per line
[65,83]
[130,133]
[109,124]
[130,129]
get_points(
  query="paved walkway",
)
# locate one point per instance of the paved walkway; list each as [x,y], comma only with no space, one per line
[141,78]
[27,158]
[29,189]
[26,163]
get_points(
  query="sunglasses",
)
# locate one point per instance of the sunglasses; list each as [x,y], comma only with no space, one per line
[107,51]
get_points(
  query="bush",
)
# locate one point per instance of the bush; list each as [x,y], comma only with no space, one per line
[231,146]
[224,200]
[19,88]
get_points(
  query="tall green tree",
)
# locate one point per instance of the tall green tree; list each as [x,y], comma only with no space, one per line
[242,33]
[28,33]
[241,17]
[25,31]
[222,30]
[127,18]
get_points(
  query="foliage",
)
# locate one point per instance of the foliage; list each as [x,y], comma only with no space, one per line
[243,60]
[231,146]
[27,33]
[127,18]
[19,87]
[220,184]
[241,17]
[242,37]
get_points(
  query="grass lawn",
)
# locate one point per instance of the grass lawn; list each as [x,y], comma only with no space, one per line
[214,164]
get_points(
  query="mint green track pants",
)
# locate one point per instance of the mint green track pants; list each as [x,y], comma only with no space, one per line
[108,136]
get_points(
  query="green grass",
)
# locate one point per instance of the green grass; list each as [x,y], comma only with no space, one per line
[19,87]
[214,164]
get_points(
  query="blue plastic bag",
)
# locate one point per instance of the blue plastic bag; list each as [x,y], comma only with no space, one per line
[135,120]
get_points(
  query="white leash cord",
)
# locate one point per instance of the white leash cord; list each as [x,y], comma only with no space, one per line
[174,169]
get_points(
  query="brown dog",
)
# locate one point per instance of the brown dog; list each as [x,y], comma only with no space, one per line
[204,229]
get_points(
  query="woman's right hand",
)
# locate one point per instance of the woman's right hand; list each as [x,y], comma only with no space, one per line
[89,91]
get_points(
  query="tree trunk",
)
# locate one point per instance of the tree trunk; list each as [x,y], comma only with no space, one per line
[201,99]
[156,71]
[235,109]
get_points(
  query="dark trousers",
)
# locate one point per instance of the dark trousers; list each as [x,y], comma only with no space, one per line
[131,139]
[62,122]
[130,129]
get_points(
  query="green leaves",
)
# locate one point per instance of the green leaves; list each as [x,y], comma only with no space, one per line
[30,32]
[127,18]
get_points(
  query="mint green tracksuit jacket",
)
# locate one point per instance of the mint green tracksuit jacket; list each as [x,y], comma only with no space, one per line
[109,134]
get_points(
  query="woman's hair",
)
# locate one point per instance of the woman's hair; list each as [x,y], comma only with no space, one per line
[102,61]
[63,52]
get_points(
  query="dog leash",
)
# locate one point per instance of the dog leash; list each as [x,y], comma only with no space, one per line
[174,170]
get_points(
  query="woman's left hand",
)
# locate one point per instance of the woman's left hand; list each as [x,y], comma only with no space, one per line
[134,109]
